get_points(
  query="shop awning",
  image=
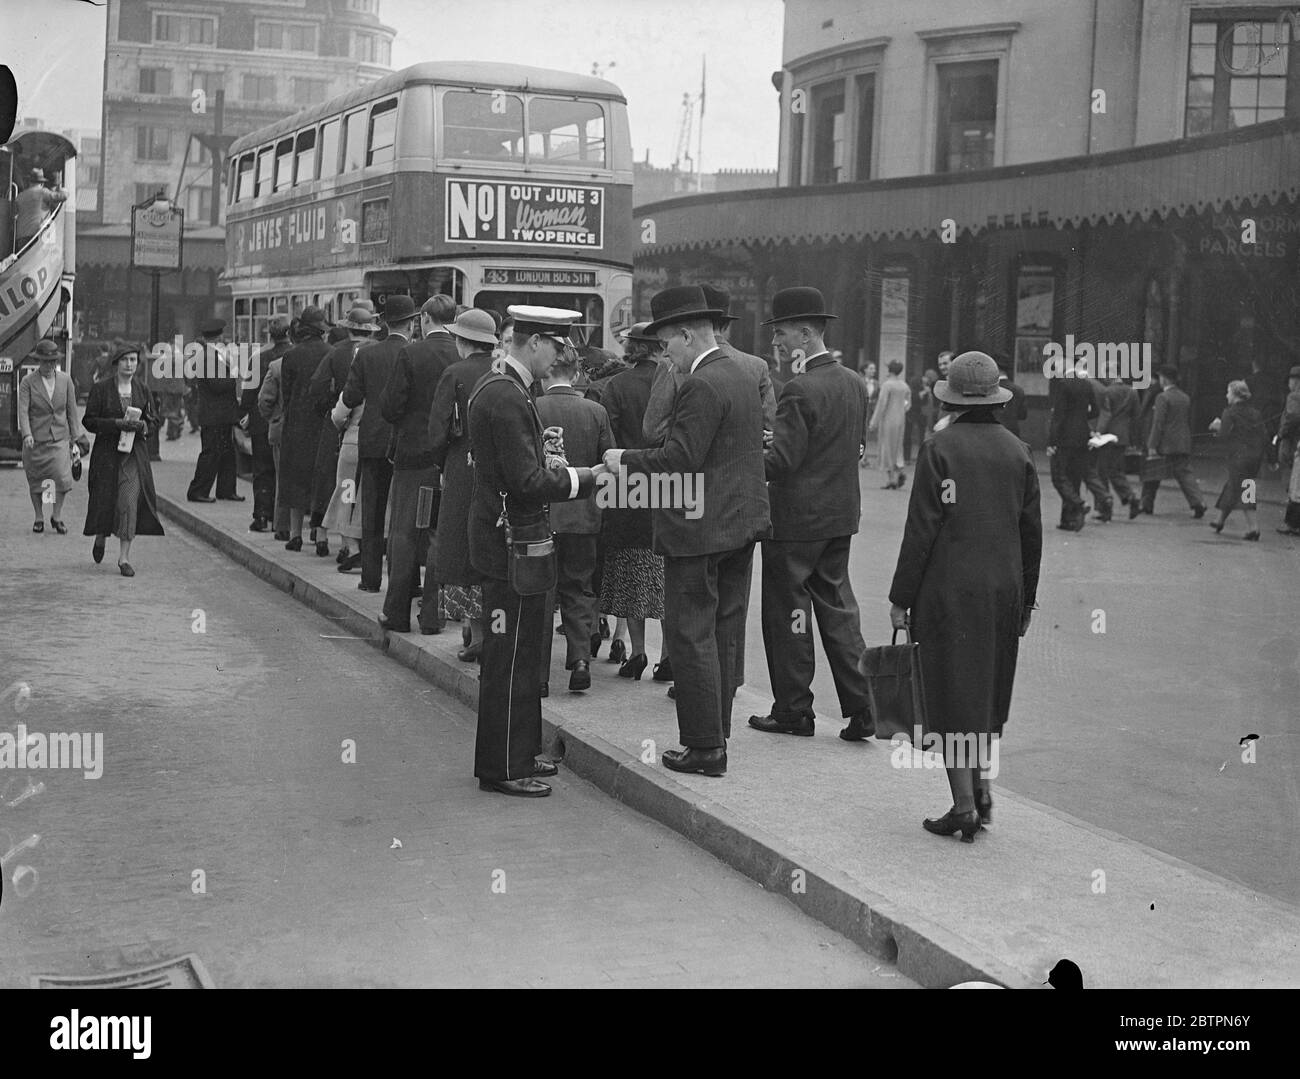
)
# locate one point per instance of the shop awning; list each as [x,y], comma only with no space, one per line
[1252,165]
[110,246]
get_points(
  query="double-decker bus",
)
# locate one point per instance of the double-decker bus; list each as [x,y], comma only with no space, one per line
[493,183]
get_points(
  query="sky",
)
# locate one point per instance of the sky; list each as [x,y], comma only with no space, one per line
[651,48]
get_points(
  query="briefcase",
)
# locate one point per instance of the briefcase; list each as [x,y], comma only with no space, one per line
[894,689]
[1155,469]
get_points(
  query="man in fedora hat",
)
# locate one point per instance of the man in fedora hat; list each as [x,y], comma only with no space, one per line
[1170,438]
[217,411]
[717,435]
[370,372]
[812,475]
[512,483]
[405,404]
[1288,431]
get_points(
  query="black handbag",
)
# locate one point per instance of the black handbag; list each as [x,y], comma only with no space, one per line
[530,554]
[894,688]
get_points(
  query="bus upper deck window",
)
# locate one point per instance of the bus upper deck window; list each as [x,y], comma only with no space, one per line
[265,165]
[244,188]
[383,133]
[329,148]
[567,134]
[283,164]
[305,157]
[354,141]
[482,125]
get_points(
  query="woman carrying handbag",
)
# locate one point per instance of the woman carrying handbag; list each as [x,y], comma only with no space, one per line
[47,421]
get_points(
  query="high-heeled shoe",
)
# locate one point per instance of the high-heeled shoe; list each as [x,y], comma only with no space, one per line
[596,638]
[59,527]
[343,555]
[38,526]
[663,672]
[97,552]
[984,806]
[617,651]
[634,667]
[1217,525]
[952,822]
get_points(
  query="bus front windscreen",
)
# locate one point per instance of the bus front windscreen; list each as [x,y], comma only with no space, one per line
[589,330]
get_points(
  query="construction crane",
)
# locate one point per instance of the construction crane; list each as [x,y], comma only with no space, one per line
[684,135]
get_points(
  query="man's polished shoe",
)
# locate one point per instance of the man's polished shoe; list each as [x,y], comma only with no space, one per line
[1134,508]
[545,769]
[1198,513]
[199,498]
[860,728]
[580,679]
[663,672]
[281,536]
[294,544]
[260,524]
[363,587]
[707,762]
[231,498]
[801,725]
[388,626]
[520,788]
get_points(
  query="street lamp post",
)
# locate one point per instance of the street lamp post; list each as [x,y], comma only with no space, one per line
[157,235]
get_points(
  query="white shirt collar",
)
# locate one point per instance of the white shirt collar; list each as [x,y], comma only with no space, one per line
[524,374]
[703,356]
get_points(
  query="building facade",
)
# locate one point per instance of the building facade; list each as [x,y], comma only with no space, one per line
[1004,174]
[176,73]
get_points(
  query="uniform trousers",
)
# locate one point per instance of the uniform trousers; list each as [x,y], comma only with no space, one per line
[1106,470]
[1069,470]
[705,600]
[1180,468]
[280,522]
[575,594]
[801,579]
[509,694]
[216,462]
[376,476]
[263,468]
[408,548]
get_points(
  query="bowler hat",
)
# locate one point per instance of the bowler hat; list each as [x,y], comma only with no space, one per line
[474,325]
[361,318]
[973,379]
[313,318]
[681,303]
[45,350]
[719,298]
[212,326]
[398,308]
[798,303]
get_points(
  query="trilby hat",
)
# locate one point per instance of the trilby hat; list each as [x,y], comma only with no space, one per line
[681,303]
[973,379]
[797,303]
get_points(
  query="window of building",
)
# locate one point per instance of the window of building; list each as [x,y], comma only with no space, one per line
[383,133]
[967,116]
[283,164]
[156,80]
[89,176]
[367,6]
[198,205]
[482,125]
[354,140]
[566,133]
[153,143]
[828,164]
[244,178]
[285,36]
[207,81]
[90,145]
[265,167]
[258,88]
[304,169]
[185,29]
[866,127]
[796,148]
[309,91]
[1241,72]
[371,48]
[329,148]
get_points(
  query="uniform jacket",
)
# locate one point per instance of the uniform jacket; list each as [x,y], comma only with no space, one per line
[716,431]
[103,411]
[1119,411]
[1073,406]
[370,371]
[587,436]
[1171,430]
[505,434]
[216,399]
[812,464]
[409,394]
[45,418]
[968,568]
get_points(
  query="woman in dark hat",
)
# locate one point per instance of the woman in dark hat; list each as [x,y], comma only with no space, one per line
[47,420]
[300,437]
[1241,429]
[122,500]
[967,579]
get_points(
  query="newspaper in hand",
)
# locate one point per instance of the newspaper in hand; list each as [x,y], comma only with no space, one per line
[1097,441]
[126,440]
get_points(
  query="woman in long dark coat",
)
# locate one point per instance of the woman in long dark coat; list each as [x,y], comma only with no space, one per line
[1241,429]
[120,485]
[967,578]
[475,334]
[300,435]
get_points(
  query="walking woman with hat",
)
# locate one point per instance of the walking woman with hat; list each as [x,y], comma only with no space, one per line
[122,500]
[967,578]
[47,420]
[890,418]
[1241,430]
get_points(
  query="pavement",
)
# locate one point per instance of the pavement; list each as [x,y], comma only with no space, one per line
[1130,836]
[233,820]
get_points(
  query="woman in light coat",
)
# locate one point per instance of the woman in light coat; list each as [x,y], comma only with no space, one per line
[343,514]
[47,420]
[890,419]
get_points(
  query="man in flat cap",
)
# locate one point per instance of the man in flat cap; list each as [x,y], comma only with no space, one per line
[512,483]
[812,471]
[716,435]
[217,405]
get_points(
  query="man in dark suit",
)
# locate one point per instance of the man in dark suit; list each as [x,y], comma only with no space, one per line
[216,411]
[586,434]
[370,372]
[513,483]
[1171,438]
[708,547]
[1015,411]
[252,420]
[1119,405]
[812,475]
[1073,406]
[405,404]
